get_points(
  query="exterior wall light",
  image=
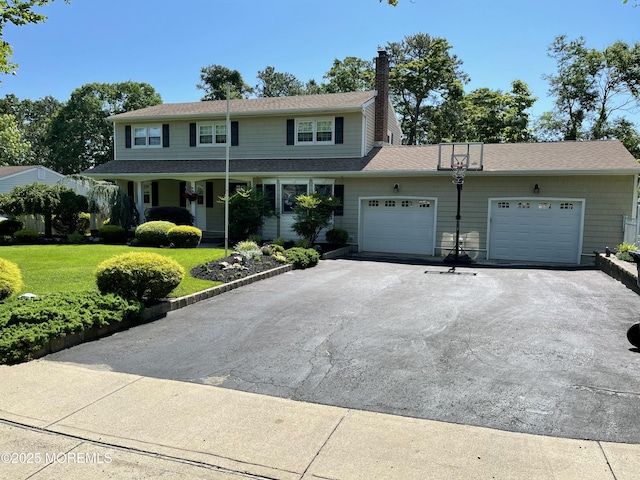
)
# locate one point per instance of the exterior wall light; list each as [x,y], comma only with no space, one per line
[536,188]
[396,187]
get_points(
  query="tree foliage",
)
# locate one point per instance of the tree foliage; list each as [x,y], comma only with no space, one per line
[352,74]
[33,120]
[312,213]
[40,199]
[214,80]
[80,136]
[589,86]
[14,150]
[278,84]
[424,75]
[248,209]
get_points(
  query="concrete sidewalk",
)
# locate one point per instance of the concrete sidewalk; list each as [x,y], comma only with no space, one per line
[64,421]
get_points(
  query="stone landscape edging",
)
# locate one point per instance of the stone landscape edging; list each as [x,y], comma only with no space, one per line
[624,272]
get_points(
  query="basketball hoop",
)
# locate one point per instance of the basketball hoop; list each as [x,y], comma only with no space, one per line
[459,166]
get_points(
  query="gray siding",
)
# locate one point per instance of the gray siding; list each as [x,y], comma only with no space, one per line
[369,114]
[259,137]
[28,177]
[607,199]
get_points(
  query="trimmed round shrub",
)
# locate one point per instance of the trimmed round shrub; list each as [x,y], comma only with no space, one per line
[184,236]
[10,279]
[27,237]
[337,236]
[143,276]
[177,215]
[153,234]
[113,234]
[302,257]
[10,226]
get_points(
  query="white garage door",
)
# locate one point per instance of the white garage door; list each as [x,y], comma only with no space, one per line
[536,230]
[398,225]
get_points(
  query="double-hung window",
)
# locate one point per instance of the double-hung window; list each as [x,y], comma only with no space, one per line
[147,136]
[210,134]
[314,131]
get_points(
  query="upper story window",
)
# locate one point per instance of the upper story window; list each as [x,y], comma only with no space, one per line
[147,136]
[314,131]
[212,134]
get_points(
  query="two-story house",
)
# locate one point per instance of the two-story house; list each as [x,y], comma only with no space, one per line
[551,202]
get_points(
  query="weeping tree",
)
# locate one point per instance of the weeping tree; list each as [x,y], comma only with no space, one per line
[107,200]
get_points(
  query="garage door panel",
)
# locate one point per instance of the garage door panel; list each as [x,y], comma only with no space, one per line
[541,230]
[398,226]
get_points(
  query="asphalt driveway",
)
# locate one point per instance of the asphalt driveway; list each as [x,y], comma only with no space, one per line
[528,350]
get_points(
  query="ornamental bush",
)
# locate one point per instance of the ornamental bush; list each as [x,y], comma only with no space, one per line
[153,234]
[302,257]
[28,237]
[10,279]
[27,326]
[113,234]
[177,215]
[184,236]
[337,236]
[10,226]
[143,276]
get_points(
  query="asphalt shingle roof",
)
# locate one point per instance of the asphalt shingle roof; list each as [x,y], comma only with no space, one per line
[568,157]
[333,101]
[6,171]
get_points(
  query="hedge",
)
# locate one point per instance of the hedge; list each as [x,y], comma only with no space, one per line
[10,279]
[153,234]
[28,325]
[184,236]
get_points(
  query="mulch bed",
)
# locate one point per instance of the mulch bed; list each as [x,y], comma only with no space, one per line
[217,272]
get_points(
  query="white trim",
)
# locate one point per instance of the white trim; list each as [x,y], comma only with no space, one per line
[146,128]
[213,126]
[361,200]
[314,130]
[582,201]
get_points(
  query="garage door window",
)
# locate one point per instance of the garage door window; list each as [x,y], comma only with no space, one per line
[544,205]
[524,205]
[424,204]
[566,206]
[374,203]
[389,203]
[503,204]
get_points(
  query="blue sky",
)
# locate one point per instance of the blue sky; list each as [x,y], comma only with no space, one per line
[166,43]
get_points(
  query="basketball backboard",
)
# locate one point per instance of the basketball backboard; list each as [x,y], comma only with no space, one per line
[452,156]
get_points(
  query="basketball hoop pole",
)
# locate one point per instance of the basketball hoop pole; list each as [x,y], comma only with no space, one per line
[459,171]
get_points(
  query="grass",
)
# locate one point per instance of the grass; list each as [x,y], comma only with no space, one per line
[69,268]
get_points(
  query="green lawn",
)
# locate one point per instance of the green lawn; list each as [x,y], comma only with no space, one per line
[69,268]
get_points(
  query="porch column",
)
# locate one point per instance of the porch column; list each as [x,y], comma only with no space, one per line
[192,188]
[140,201]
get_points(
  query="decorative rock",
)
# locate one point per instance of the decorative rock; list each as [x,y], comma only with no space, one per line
[633,335]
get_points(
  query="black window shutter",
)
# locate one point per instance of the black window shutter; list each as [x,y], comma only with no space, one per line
[209,194]
[338,192]
[183,199]
[291,131]
[131,190]
[192,134]
[165,135]
[127,136]
[270,191]
[154,194]
[339,129]
[234,134]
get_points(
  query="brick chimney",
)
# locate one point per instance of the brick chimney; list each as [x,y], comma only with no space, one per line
[382,99]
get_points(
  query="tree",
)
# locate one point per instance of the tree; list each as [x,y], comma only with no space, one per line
[13,149]
[624,131]
[278,84]
[33,118]
[248,209]
[214,79]
[17,12]
[312,214]
[591,85]
[492,116]
[352,74]
[36,199]
[67,217]
[80,136]
[422,77]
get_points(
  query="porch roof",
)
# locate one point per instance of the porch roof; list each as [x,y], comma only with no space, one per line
[603,156]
